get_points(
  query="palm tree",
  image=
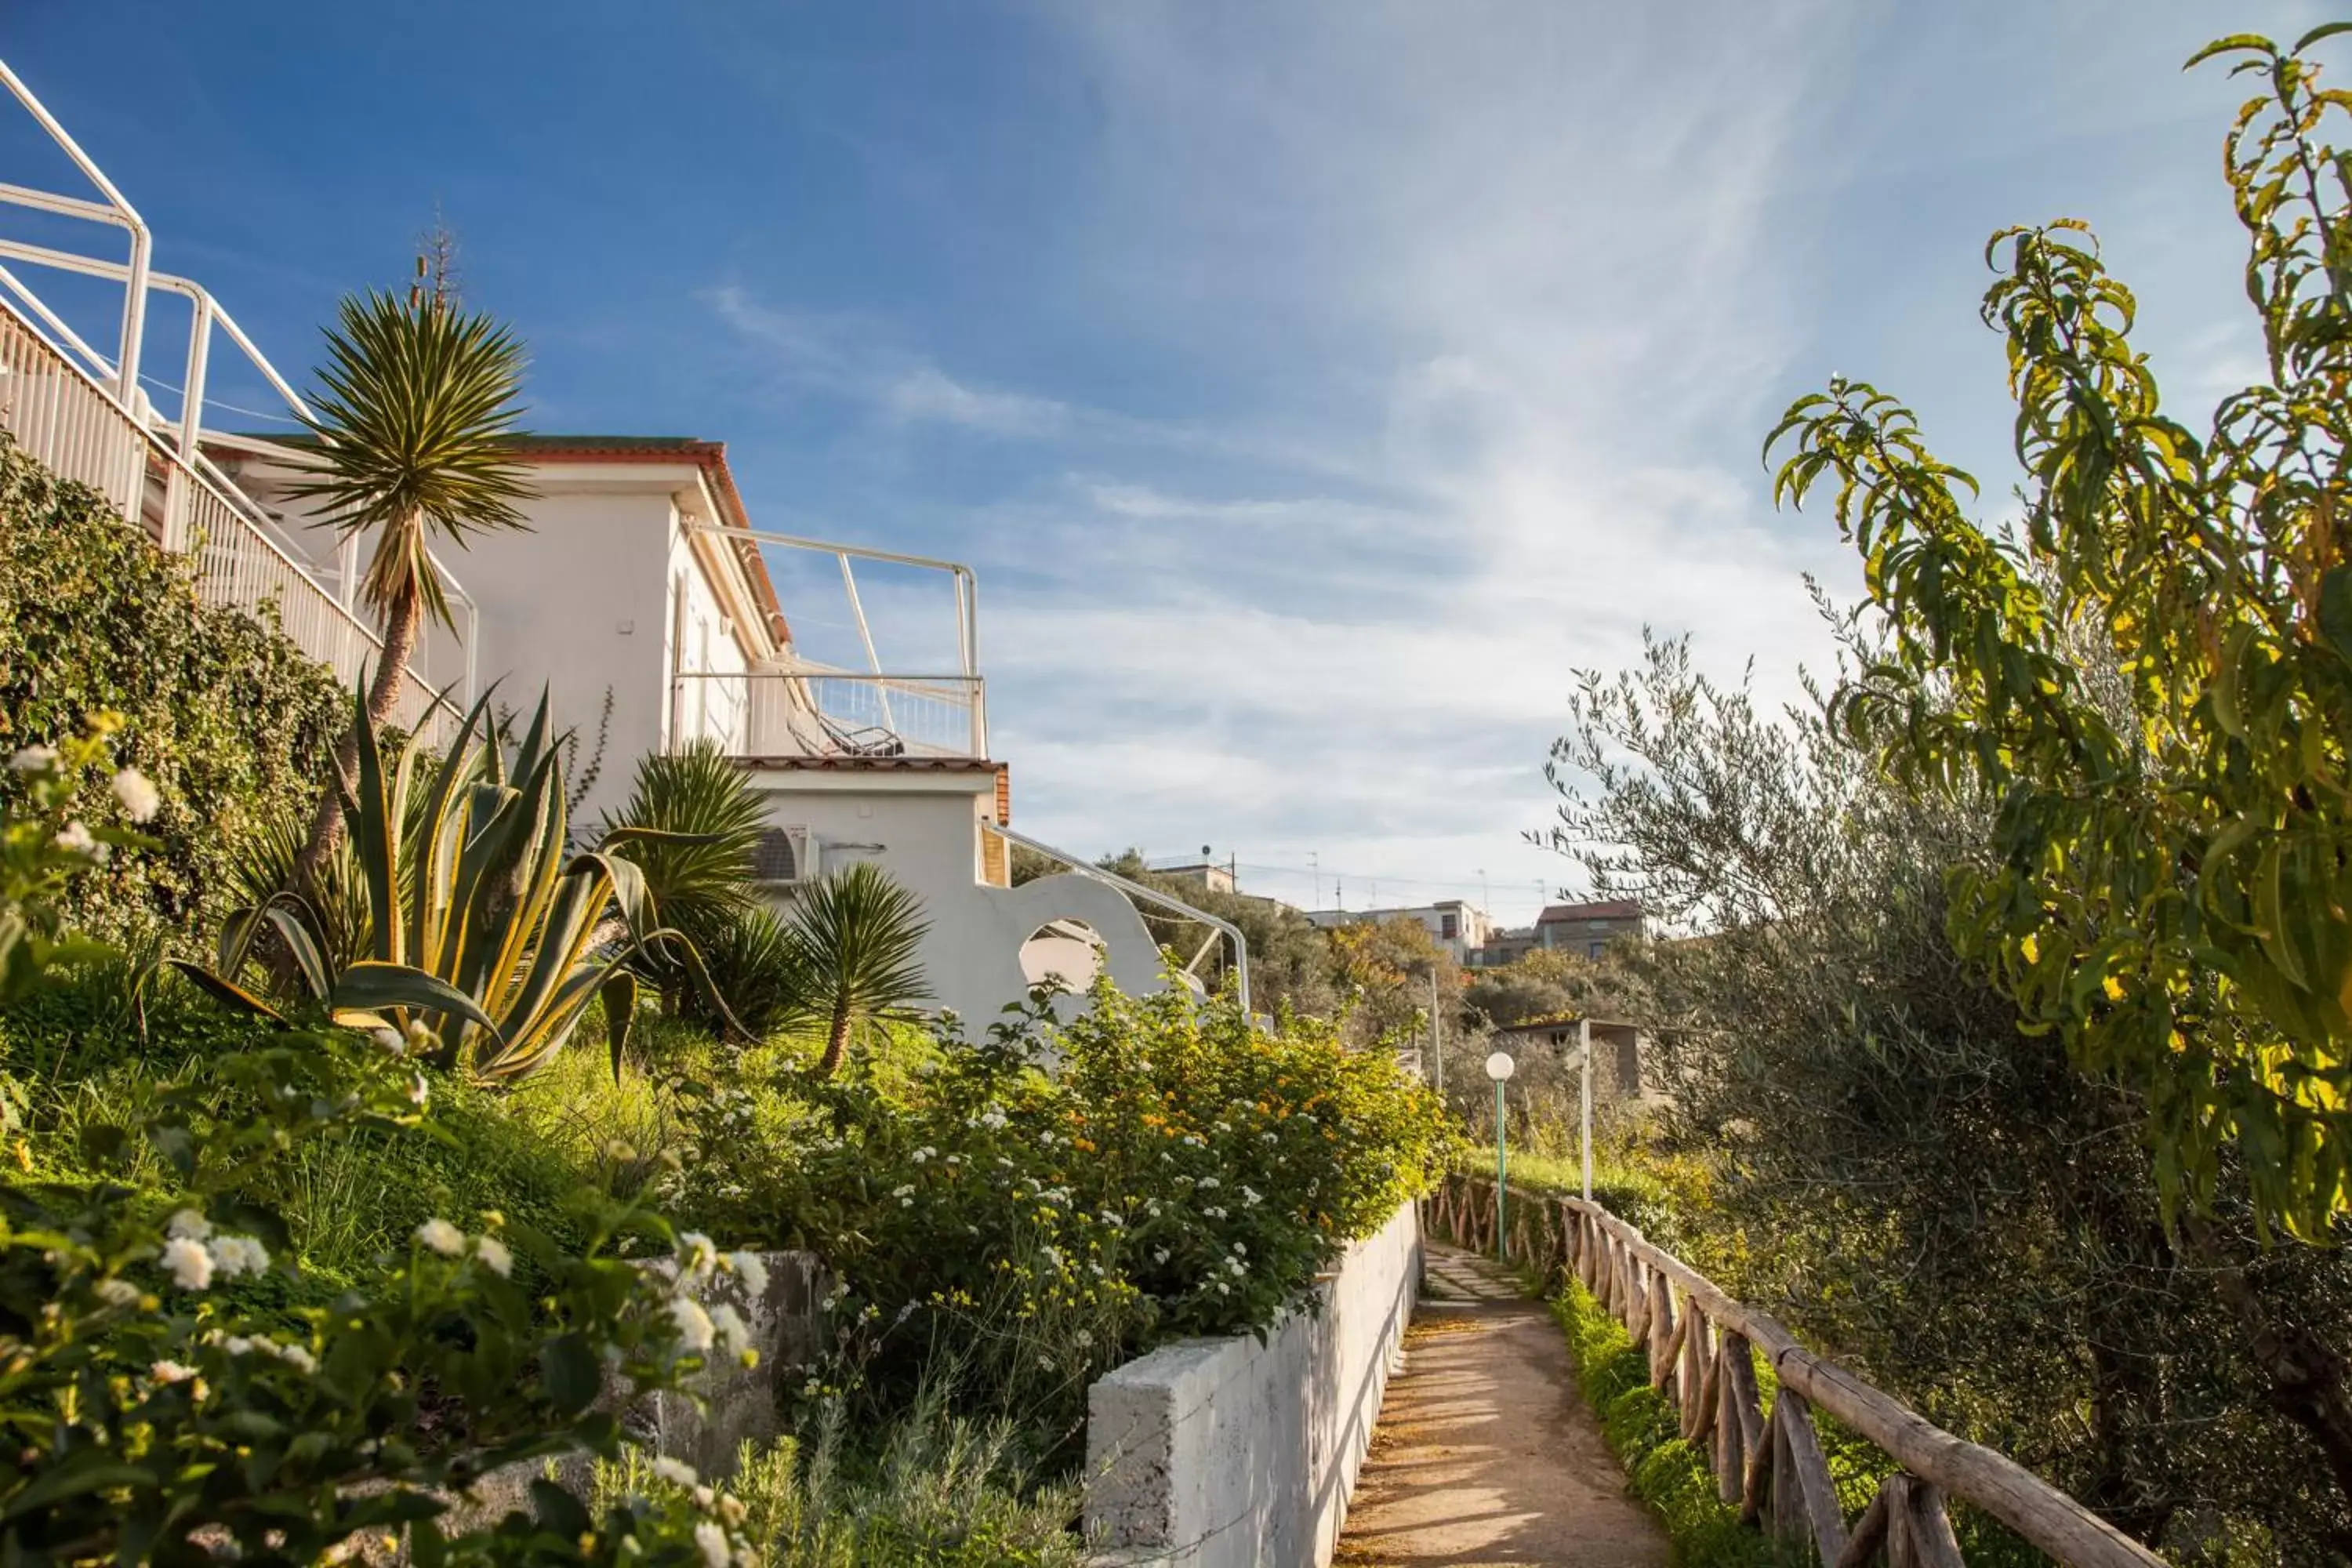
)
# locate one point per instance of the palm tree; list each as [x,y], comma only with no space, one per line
[701,878]
[857,936]
[417,429]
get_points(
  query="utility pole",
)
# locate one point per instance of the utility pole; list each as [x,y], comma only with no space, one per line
[1436,1040]
[1584,1096]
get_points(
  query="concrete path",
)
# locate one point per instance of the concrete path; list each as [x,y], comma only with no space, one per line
[1485,1454]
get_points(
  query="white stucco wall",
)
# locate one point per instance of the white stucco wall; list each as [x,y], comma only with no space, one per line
[1232,1454]
[924,829]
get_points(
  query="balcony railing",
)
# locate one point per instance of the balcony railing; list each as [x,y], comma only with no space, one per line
[812,712]
[62,417]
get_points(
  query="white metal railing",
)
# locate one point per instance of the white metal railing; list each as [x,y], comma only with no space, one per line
[811,700]
[76,428]
[811,710]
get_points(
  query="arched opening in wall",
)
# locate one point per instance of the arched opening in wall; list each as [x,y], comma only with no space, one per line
[1069,950]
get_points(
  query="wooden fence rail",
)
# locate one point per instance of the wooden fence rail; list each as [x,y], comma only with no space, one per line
[1702,1346]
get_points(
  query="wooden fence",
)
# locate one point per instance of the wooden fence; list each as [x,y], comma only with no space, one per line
[1702,1347]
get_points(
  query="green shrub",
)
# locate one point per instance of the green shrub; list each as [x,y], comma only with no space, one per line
[936,1491]
[232,722]
[1019,1231]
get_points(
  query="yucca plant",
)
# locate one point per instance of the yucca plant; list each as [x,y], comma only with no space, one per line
[856,934]
[699,873]
[416,422]
[481,924]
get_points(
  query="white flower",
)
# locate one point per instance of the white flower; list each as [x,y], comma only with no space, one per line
[712,1540]
[76,838]
[752,1269]
[171,1371]
[1083,1338]
[1251,1197]
[907,1191]
[138,797]
[697,1257]
[1238,1247]
[992,1119]
[419,1092]
[495,1255]
[676,1472]
[234,1255]
[1214,1213]
[298,1358]
[117,1292]
[705,1498]
[188,1223]
[439,1236]
[695,1330]
[1235,1267]
[734,1333]
[1208,1182]
[191,1267]
[33,759]
[390,1040]
[1159,1254]
[924,1153]
[1223,1289]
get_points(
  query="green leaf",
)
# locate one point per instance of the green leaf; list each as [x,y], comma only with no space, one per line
[559,1511]
[226,991]
[619,993]
[569,1371]
[2335,610]
[370,984]
[2325,30]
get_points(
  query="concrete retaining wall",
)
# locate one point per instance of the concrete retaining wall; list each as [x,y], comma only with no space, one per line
[1232,1454]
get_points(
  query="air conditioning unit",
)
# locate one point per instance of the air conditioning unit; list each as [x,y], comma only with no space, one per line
[786,858]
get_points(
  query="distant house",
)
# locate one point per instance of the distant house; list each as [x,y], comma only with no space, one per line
[1585,930]
[1458,926]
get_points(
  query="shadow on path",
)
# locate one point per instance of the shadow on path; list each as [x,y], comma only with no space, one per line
[1485,1454]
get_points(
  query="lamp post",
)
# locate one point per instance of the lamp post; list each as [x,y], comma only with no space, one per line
[1498,1067]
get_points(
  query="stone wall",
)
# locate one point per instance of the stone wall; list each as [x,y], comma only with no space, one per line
[1233,1453]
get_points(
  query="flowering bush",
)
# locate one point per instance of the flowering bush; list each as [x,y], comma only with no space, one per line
[1181,1172]
[154,1416]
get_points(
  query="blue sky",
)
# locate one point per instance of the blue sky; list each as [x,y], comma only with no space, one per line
[1315,387]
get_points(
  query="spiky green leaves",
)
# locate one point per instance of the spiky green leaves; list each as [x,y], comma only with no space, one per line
[416,423]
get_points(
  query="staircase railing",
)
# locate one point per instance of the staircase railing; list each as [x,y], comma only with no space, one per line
[76,428]
[1702,1346]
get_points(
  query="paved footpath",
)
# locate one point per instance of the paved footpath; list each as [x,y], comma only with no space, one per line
[1485,1454]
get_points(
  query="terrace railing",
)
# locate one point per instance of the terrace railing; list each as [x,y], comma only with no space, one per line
[81,430]
[1703,1347]
[810,710]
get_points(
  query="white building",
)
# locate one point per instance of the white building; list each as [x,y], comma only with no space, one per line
[642,581]
[1455,926]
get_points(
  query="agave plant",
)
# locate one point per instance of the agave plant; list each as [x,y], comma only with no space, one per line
[705,823]
[481,924]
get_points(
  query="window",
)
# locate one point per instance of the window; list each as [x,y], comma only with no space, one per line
[1593,949]
[1449,926]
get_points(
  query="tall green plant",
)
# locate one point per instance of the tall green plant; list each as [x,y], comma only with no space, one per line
[417,426]
[2173,887]
[705,804]
[857,937]
[482,926]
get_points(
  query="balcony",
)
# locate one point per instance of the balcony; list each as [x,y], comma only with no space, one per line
[815,711]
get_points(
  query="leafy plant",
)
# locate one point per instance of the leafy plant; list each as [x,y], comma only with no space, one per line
[856,937]
[2154,680]
[484,929]
[415,436]
[705,804]
[232,722]
[156,1415]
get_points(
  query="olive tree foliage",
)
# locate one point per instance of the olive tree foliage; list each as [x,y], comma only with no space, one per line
[1895,1166]
[2170,891]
